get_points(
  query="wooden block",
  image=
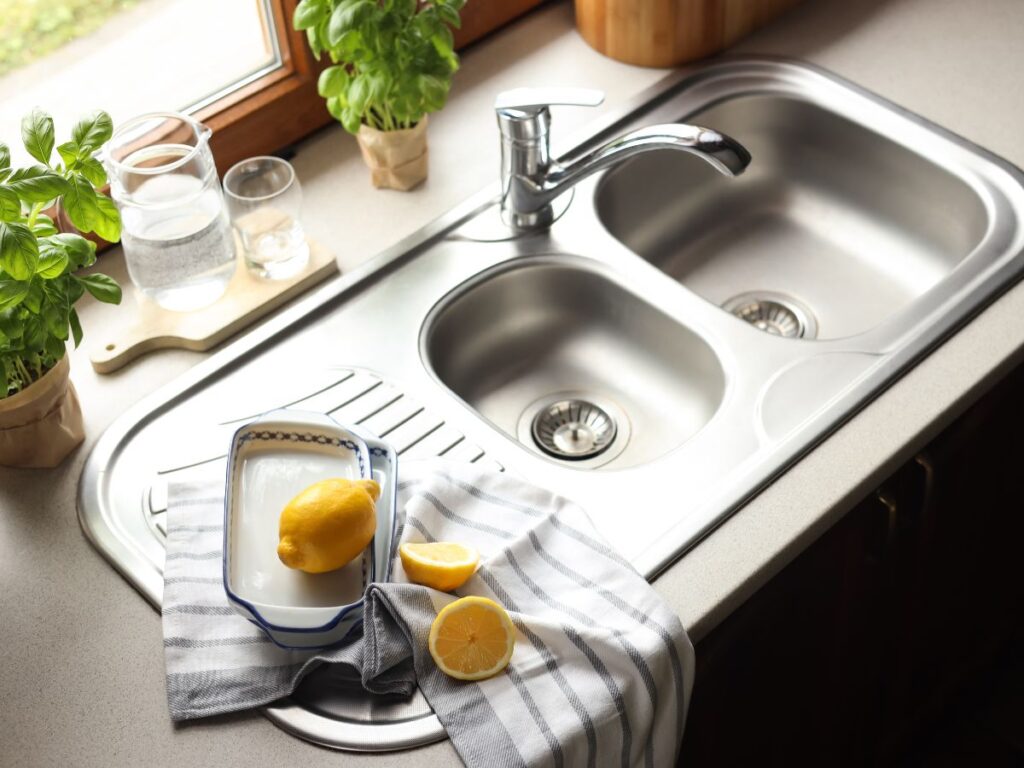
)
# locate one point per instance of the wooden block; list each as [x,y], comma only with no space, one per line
[247,299]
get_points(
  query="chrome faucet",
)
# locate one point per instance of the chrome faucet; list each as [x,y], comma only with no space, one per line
[530,179]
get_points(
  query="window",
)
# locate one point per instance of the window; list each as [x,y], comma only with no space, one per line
[236,64]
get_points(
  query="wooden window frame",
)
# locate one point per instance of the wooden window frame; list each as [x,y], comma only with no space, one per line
[283,106]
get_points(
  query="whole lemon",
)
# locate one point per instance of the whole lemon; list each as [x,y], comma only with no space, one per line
[328,524]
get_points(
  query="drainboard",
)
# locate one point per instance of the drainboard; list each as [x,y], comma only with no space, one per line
[345,716]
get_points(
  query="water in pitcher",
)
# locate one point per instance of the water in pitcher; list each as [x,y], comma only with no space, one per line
[179,238]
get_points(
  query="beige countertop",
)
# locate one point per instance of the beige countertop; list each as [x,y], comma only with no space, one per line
[81,681]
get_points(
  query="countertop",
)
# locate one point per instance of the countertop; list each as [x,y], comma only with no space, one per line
[81,681]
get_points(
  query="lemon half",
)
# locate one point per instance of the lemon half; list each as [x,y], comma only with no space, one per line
[443,565]
[472,639]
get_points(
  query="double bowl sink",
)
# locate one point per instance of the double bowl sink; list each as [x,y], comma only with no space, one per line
[675,340]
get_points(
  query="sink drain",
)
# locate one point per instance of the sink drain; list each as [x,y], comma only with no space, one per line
[573,429]
[774,313]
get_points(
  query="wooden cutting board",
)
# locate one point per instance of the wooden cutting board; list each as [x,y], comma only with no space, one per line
[247,299]
[666,33]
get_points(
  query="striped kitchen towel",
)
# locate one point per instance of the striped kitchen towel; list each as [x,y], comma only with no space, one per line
[602,669]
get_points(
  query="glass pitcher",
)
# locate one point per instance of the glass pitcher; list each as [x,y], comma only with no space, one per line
[175,232]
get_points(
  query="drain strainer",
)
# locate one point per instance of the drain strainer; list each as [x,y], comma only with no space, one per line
[573,429]
[774,313]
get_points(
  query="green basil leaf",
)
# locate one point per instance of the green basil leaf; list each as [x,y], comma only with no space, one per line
[53,259]
[348,46]
[313,38]
[10,323]
[92,131]
[54,347]
[35,334]
[449,15]
[76,327]
[333,81]
[309,13]
[44,226]
[37,184]
[56,320]
[434,91]
[108,224]
[69,152]
[348,15]
[334,107]
[5,157]
[351,119]
[10,205]
[444,44]
[37,135]
[34,297]
[19,250]
[81,252]
[80,204]
[93,170]
[103,288]
[12,293]
[90,211]
[359,93]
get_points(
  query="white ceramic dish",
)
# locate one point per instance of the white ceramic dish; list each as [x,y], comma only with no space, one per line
[271,459]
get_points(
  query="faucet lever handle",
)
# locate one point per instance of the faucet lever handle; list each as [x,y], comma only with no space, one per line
[534,100]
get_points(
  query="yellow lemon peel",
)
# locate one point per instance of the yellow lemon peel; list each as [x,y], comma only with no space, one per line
[328,524]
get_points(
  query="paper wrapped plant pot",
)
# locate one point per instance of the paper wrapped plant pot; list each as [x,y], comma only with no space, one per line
[397,159]
[42,424]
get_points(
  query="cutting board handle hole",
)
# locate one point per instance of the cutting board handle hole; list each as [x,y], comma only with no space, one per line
[110,347]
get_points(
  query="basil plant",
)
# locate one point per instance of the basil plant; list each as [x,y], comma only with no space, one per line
[38,282]
[393,60]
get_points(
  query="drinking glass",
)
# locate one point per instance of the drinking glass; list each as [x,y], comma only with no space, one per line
[264,201]
[175,233]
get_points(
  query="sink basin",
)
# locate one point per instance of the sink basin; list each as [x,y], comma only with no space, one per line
[520,338]
[596,358]
[850,224]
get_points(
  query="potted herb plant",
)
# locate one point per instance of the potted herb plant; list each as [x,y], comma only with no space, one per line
[393,62]
[40,418]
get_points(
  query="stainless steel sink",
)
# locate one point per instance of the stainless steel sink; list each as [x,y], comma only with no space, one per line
[850,223]
[531,333]
[595,358]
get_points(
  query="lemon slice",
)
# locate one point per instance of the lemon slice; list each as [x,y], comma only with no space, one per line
[442,565]
[472,639]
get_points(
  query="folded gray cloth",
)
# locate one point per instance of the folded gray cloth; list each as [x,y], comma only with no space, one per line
[602,670]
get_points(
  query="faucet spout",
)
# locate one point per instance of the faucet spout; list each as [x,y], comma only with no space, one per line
[726,155]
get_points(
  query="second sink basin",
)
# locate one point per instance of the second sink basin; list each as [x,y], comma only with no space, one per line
[529,343]
[831,217]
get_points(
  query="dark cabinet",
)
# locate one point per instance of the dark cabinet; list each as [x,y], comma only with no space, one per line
[858,643]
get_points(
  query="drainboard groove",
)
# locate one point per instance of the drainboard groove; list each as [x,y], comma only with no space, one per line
[349,401]
[450,447]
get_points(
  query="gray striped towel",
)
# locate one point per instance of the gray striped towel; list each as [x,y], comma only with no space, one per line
[602,669]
